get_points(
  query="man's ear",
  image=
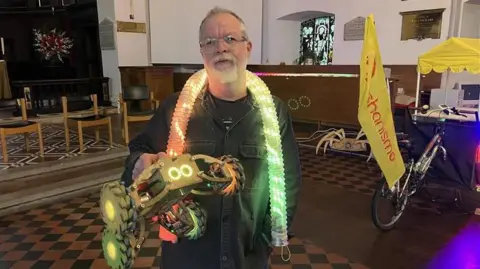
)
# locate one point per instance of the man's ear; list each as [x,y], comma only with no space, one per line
[249,47]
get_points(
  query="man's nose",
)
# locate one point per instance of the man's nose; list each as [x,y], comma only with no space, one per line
[222,46]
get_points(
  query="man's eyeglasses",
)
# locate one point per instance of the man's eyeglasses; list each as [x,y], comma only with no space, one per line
[210,44]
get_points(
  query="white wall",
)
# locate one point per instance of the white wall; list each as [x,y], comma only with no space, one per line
[132,47]
[174,28]
[470,21]
[110,57]
[281,39]
[174,39]
[388,21]
[281,43]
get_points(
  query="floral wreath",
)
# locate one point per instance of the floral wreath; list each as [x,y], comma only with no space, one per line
[53,44]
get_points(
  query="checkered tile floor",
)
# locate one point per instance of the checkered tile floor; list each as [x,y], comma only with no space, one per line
[54,147]
[340,169]
[352,173]
[67,235]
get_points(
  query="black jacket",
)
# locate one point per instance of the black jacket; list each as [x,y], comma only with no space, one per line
[238,227]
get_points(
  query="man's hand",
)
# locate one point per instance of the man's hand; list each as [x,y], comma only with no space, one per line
[145,161]
[142,163]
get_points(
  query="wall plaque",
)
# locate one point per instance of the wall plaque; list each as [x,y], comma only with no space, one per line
[131,27]
[422,24]
[354,29]
[107,34]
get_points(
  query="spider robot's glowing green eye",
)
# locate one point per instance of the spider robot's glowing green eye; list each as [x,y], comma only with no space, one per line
[186,170]
[176,173]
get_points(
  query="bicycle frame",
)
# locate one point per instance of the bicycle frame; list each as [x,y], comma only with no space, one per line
[409,176]
[421,166]
[413,178]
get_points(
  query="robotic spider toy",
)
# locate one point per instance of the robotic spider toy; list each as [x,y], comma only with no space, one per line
[162,194]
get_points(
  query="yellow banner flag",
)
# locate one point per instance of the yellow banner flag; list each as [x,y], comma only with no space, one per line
[374,109]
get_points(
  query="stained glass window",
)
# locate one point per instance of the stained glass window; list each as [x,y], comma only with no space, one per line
[317,40]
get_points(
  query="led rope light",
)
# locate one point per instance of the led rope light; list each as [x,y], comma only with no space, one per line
[276,173]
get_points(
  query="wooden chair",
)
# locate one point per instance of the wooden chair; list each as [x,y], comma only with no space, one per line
[93,119]
[18,127]
[134,95]
[8,107]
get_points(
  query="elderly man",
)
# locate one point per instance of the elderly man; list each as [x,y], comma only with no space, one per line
[225,120]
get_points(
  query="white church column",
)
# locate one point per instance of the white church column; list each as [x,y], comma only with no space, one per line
[122,48]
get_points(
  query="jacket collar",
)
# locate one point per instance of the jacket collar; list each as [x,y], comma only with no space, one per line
[205,94]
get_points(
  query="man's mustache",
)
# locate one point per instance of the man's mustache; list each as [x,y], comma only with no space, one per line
[224,58]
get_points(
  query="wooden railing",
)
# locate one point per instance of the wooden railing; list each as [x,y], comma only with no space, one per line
[44,96]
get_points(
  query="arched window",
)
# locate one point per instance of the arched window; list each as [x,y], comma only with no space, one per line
[316,41]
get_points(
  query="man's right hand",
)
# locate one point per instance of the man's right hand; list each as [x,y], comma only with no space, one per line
[144,161]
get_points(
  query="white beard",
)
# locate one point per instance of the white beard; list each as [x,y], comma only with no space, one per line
[227,76]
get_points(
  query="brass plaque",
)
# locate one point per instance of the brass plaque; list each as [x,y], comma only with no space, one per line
[422,24]
[131,27]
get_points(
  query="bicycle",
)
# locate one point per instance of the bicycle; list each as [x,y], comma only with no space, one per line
[415,170]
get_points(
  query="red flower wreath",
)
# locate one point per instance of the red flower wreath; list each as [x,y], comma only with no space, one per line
[52,44]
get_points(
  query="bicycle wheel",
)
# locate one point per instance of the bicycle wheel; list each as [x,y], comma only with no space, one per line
[396,199]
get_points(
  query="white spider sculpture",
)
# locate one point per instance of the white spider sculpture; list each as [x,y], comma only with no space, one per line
[337,141]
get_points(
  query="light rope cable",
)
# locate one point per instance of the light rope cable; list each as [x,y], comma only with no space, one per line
[176,142]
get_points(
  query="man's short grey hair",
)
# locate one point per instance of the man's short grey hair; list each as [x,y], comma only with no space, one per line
[219,10]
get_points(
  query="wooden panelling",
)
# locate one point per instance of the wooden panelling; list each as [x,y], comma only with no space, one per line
[158,79]
[318,99]
[131,76]
[333,100]
[160,82]
[405,74]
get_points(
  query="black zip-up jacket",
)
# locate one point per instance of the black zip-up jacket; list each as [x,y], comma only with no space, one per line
[238,227]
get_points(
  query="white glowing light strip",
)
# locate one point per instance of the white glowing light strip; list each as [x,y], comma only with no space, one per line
[331,75]
[261,94]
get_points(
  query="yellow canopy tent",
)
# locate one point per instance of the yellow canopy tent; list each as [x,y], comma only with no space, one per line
[455,55]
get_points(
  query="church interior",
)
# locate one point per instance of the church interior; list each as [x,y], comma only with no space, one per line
[80,78]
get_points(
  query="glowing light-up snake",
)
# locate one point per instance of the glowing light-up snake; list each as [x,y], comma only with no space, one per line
[176,142]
